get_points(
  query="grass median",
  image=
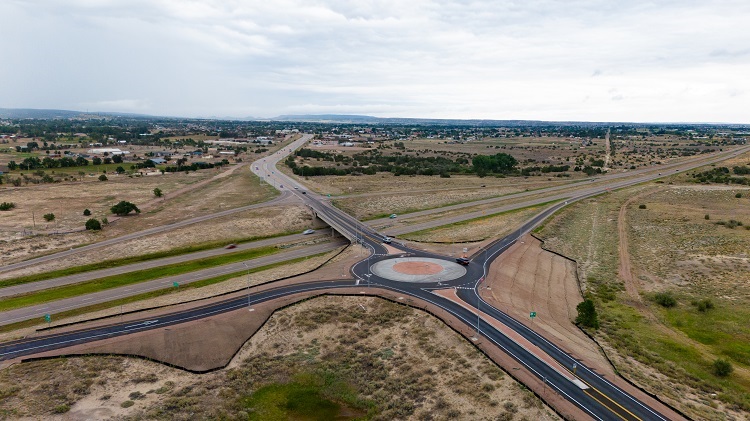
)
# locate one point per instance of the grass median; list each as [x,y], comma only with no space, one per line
[129,278]
[152,294]
[106,264]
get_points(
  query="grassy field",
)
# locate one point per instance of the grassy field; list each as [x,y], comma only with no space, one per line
[130,278]
[670,351]
[477,229]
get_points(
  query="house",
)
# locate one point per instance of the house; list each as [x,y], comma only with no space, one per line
[158,161]
[165,154]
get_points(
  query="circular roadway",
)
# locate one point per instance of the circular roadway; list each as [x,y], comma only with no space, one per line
[418,269]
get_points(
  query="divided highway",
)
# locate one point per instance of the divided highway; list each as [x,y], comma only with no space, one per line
[562,373]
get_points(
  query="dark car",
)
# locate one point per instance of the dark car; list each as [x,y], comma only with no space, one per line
[230,246]
[462,261]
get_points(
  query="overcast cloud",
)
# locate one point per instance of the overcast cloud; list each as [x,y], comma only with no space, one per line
[595,60]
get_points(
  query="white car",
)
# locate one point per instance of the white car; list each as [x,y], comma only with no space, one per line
[308,231]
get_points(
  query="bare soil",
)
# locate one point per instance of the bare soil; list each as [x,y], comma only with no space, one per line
[416,366]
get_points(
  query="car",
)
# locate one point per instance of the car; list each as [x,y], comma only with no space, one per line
[230,246]
[281,186]
[296,188]
[387,239]
[393,216]
[308,231]
[304,192]
[463,261]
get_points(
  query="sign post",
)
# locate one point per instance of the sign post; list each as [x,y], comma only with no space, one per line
[175,284]
[48,319]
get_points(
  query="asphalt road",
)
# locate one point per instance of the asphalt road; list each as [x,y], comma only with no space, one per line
[590,392]
[38,311]
[150,264]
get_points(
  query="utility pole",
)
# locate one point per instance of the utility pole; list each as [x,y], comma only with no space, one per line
[248,285]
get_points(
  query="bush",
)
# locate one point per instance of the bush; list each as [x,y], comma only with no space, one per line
[641,206]
[706,217]
[738,195]
[86,212]
[6,206]
[102,177]
[93,225]
[722,368]
[703,305]
[158,192]
[61,409]
[49,217]
[665,299]
[127,404]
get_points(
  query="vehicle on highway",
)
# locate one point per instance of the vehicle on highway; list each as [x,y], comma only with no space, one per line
[387,239]
[462,261]
[296,188]
[230,246]
[304,192]
[281,186]
[308,231]
[393,216]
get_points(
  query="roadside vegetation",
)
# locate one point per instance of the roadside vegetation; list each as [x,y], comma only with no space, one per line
[693,306]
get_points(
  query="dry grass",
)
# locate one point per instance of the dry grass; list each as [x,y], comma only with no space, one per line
[673,248]
[397,362]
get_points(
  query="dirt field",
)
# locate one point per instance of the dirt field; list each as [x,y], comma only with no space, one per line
[253,223]
[397,366]
[673,248]
[227,190]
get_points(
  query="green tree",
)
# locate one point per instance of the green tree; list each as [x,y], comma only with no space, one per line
[6,206]
[96,160]
[158,192]
[86,212]
[103,177]
[123,208]
[117,159]
[93,225]
[49,217]
[587,316]
[12,165]
[119,169]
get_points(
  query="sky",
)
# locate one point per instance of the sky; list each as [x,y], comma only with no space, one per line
[572,60]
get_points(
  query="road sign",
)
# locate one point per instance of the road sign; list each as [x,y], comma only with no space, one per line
[532,314]
[47,318]
[175,284]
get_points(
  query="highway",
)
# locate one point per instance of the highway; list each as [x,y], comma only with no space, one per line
[585,389]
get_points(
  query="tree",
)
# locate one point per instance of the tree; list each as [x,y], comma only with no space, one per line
[117,159]
[158,192]
[12,165]
[49,217]
[86,212]
[6,206]
[102,177]
[123,208]
[722,368]
[93,225]
[96,161]
[119,170]
[587,316]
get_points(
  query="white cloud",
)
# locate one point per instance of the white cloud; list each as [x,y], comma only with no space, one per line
[538,59]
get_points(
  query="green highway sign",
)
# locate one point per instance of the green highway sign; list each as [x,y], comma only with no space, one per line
[47,318]
[175,284]
[532,314]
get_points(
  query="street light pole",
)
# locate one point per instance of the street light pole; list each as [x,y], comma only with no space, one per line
[248,285]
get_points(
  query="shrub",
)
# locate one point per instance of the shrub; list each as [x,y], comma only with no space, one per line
[6,206]
[722,368]
[123,208]
[93,225]
[738,195]
[61,409]
[86,212]
[105,221]
[641,206]
[127,404]
[703,305]
[102,177]
[158,192]
[706,217]
[49,217]
[665,299]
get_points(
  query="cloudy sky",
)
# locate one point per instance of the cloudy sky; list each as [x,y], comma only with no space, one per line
[596,60]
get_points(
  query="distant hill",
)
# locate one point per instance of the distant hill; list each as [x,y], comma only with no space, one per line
[365,119]
[60,114]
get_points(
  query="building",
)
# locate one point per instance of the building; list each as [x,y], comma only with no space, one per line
[110,151]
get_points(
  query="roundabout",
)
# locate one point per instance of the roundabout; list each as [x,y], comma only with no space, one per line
[418,270]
